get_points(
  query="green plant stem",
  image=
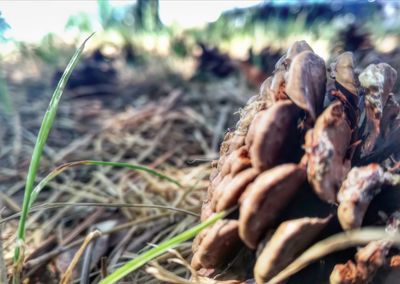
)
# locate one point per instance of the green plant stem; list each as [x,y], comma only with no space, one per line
[38,149]
[57,171]
[135,167]
[160,249]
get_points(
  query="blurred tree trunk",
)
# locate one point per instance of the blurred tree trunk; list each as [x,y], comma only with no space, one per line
[147,16]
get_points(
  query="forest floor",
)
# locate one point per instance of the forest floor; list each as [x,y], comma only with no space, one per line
[150,115]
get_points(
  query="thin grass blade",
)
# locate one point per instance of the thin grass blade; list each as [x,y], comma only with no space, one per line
[44,131]
[142,259]
[135,167]
[57,171]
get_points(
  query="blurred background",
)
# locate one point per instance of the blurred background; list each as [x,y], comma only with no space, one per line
[159,84]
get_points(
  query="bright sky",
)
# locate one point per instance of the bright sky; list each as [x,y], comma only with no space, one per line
[196,12]
[31,20]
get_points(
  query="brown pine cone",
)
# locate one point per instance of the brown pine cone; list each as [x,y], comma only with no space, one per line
[307,133]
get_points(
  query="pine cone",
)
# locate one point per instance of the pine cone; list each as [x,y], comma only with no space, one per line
[329,138]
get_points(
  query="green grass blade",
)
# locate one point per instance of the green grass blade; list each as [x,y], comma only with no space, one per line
[65,166]
[160,249]
[44,131]
[135,167]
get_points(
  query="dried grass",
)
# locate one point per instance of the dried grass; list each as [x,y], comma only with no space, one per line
[154,119]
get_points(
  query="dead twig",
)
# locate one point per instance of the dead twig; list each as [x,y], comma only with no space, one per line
[67,275]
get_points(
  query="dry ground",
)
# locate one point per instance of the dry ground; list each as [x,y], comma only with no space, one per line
[148,115]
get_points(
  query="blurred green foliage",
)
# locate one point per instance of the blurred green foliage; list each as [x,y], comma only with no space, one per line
[105,13]
[146,13]
[47,50]
[137,27]
[81,21]
[179,47]
[5,100]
